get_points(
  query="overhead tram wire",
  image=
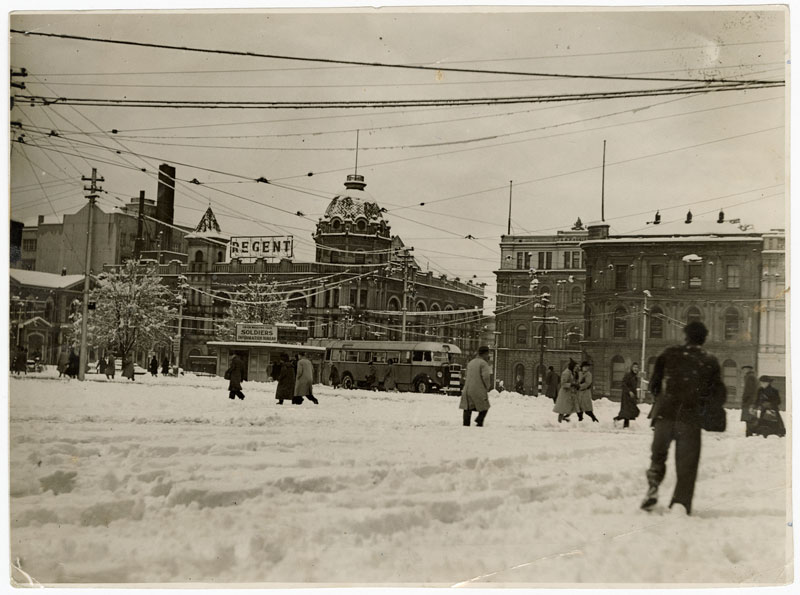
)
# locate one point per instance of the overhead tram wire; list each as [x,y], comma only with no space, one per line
[39,100]
[371,64]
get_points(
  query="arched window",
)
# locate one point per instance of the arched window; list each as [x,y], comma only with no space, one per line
[576,295]
[617,371]
[732,324]
[620,323]
[220,256]
[522,335]
[361,225]
[393,304]
[693,315]
[519,378]
[730,377]
[435,307]
[198,256]
[336,224]
[421,307]
[656,323]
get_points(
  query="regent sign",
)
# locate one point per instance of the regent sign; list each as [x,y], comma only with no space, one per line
[257,333]
[248,248]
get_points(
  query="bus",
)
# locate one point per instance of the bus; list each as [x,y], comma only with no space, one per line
[422,367]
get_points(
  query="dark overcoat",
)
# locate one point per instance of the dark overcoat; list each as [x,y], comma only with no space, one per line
[285,380]
[750,398]
[628,407]
[769,414]
[235,374]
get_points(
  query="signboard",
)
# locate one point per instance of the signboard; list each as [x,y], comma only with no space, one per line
[257,333]
[248,248]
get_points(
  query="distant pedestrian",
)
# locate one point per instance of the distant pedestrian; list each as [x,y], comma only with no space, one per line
[128,371]
[304,381]
[74,364]
[20,361]
[153,367]
[769,405]
[165,366]
[372,376]
[101,365]
[63,362]
[519,385]
[691,379]
[111,365]
[334,377]
[628,406]
[584,395]
[389,382]
[749,401]
[551,384]
[566,403]
[285,377]
[235,374]
[475,395]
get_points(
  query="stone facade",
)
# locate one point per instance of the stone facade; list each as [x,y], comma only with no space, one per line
[772,327]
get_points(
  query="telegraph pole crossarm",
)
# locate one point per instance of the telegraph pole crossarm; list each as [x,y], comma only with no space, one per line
[93,189]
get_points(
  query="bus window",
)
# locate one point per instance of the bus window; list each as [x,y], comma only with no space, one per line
[352,356]
[365,357]
[406,357]
[335,355]
[441,357]
[422,356]
[379,357]
[394,356]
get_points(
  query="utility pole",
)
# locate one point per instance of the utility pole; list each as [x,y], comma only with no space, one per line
[603,187]
[494,362]
[510,189]
[544,304]
[93,190]
[178,338]
[405,295]
[642,365]
[139,243]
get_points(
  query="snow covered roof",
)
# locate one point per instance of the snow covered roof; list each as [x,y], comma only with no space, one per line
[355,202]
[272,345]
[40,279]
[672,239]
[48,220]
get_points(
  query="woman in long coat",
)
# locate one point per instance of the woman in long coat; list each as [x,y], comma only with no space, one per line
[389,383]
[585,392]
[165,366]
[628,408]
[285,378]
[304,381]
[235,375]
[111,365]
[566,402]
[154,366]
[551,384]
[769,405]
[74,364]
[127,368]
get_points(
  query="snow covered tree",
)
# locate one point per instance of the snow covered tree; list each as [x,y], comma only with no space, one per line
[257,301]
[133,311]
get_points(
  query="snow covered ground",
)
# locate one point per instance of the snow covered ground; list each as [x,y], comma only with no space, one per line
[167,480]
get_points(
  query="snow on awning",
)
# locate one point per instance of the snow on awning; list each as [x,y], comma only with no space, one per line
[692,258]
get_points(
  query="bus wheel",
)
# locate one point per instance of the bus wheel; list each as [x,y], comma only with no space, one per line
[347,381]
[421,385]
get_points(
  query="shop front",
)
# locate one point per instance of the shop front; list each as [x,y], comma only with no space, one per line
[259,358]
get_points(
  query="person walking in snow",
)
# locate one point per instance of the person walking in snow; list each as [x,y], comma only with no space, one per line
[101,365]
[153,367]
[63,362]
[478,382]
[165,366]
[334,377]
[551,384]
[235,375]
[566,402]
[389,383]
[749,401]
[769,405]
[628,406]
[691,376]
[304,381]
[128,370]
[111,367]
[584,395]
[74,364]
[285,377]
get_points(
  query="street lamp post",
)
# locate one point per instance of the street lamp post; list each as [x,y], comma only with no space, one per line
[494,361]
[642,366]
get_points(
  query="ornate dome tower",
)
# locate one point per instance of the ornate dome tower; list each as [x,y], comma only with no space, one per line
[353,230]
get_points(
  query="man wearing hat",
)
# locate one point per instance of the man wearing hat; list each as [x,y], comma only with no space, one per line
[749,399]
[690,375]
[475,396]
[585,392]
[769,420]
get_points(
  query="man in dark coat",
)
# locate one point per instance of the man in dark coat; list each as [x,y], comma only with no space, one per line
[153,367]
[749,400]
[74,364]
[691,375]
[551,384]
[165,366]
[235,374]
[769,405]
[628,408]
[111,365]
[285,377]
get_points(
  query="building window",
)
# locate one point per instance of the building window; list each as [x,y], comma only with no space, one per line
[620,323]
[545,261]
[542,335]
[732,324]
[522,335]
[573,336]
[693,315]
[29,245]
[567,260]
[695,276]
[657,276]
[617,371]
[198,256]
[620,276]
[656,323]
[576,295]
[730,377]
[734,280]
[362,300]
[361,225]
[520,260]
[572,260]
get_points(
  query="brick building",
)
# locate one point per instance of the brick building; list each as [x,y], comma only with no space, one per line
[703,271]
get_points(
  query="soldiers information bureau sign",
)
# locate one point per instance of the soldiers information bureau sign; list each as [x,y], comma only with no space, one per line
[248,248]
[256,333]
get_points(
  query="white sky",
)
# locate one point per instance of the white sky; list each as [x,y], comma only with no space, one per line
[724,149]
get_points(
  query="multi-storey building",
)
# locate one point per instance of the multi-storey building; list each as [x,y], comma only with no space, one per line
[772,327]
[539,316]
[709,272]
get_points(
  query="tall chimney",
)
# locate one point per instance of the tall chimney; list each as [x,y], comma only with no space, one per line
[165,203]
